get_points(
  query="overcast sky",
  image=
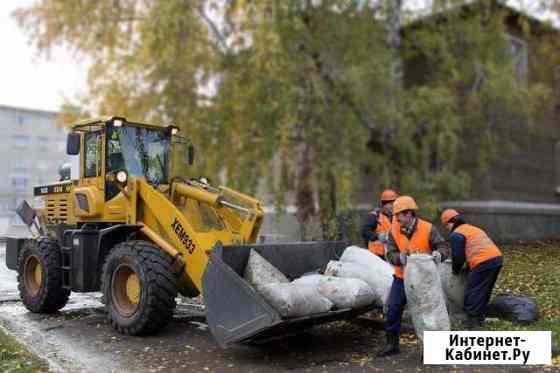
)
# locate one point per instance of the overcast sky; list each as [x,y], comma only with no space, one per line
[30,81]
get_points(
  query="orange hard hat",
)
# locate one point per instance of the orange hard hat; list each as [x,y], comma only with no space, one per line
[404,203]
[388,195]
[448,215]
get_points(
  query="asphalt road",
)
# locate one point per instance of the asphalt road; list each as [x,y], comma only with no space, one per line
[78,339]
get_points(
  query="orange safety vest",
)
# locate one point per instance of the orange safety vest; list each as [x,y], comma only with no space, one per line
[383,226]
[419,242]
[478,247]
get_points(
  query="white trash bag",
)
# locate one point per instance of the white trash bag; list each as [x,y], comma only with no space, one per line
[313,280]
[260,272]
[424,295]
[355,254]
[383,270]
[347,292]
[343,292]
[295,300]
[379,283]
[454,289]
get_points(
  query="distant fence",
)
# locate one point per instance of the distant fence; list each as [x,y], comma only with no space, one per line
[505,221]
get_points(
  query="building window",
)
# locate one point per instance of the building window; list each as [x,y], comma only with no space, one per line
[519,52]
[19,182]
[21,141]
[44,143]
[21,119]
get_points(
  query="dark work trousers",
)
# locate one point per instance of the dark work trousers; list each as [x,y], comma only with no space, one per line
[396,303]
[480,282]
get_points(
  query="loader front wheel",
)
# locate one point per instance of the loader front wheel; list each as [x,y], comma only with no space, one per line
[40,276]
[139,289]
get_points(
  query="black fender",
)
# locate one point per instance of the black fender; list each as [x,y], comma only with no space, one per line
[84,252]
[13,248]
[108,238]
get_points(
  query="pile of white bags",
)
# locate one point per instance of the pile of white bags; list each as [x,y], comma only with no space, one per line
[454,290]
[361,264]
[289,299]
[424,295]
[309,294]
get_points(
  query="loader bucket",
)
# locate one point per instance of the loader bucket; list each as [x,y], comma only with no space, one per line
[237,313]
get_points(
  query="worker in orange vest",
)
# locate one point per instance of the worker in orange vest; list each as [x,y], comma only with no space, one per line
[472,249]
[375,230]
[409,234]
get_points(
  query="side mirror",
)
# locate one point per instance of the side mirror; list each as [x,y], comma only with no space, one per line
[190,154]
[65,171]
[73,143]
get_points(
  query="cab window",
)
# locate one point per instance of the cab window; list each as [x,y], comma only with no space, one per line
[91,155]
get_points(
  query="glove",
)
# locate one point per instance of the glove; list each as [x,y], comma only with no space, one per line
[382,237]
[403,259]
[464,271]
[436,255]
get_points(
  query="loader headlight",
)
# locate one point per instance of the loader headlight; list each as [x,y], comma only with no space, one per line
[122,177]
[174,130]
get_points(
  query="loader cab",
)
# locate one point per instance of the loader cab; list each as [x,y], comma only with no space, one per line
[108,147]
[139,151]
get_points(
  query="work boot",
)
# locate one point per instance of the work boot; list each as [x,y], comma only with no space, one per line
[392,345]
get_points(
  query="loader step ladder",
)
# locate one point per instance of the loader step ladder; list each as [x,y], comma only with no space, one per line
[66,267]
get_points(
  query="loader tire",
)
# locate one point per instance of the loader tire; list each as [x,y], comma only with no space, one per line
[139,289]
[40,276]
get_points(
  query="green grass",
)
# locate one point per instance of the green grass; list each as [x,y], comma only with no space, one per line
[533,269]
[14,358]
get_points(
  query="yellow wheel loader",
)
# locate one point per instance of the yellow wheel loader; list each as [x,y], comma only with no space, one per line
[131,229]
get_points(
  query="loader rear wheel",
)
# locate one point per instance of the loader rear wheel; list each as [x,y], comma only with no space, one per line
[139,289]
[40,276]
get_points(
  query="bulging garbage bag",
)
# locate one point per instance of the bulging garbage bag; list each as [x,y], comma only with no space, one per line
[260,272]
[346,292]
[379,282]
[424,295]
[379,268]
[295,300]
[515,308]
[343,292]
[454,290]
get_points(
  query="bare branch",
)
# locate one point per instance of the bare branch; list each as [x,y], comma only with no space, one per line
[220,37]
